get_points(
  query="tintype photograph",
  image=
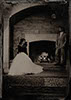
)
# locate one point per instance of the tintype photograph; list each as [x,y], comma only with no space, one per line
[35,49]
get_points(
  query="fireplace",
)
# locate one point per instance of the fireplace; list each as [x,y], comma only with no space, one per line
[36,48]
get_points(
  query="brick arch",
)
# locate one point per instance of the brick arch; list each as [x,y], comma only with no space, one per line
[25,11]
[20,7]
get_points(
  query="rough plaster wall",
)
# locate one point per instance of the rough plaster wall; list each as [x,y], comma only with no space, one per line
[37,24]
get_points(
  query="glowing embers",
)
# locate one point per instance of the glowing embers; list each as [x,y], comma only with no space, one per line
[53,16]
[44,57]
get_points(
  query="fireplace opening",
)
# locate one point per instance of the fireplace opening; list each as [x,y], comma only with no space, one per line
[42,48]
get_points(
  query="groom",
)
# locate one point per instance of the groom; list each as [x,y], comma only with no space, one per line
[60,47]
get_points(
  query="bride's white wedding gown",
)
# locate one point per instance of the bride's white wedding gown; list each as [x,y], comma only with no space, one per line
[22,64]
